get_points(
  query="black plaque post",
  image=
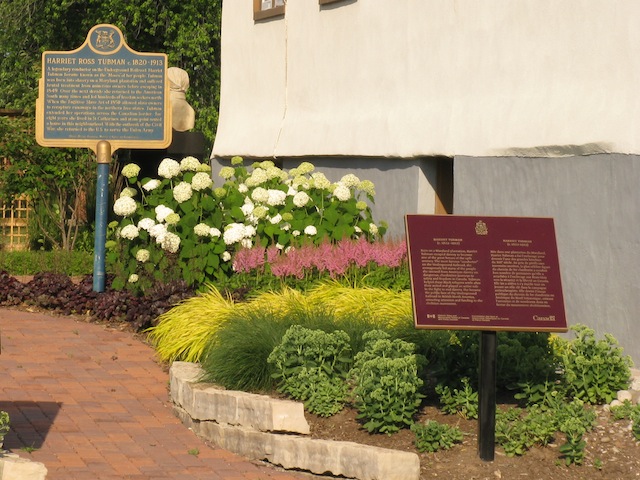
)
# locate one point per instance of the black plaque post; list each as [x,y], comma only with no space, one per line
[487,396]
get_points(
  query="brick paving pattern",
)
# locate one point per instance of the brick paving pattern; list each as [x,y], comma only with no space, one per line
[91,403]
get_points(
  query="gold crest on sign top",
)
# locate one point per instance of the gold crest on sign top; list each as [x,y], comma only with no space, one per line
[481,228]
[105,39]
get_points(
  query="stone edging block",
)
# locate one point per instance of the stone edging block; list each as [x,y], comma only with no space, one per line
[198,407]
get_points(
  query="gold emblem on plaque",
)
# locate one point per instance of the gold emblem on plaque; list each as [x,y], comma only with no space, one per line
[105,40]
[481,228]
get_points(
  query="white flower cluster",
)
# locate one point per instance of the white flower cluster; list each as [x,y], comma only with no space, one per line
[189,164]
[168,168]
[130,170]
[124,206]
[342,192]
[238,233]
[151,184]
[201,181]
[129,232]
[300,199]
[310,230]
[128,192]
[260,195]
[258,177]
[170,242]
[227,172]
[320,181]
[133,278]
[146,224]
[276,197]
[182,192]
[350,180]
[162,212]
[201,230]
[143,255]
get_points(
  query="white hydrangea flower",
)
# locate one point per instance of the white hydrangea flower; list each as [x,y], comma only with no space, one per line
[182,192]
[342,192]
[158,231]
[146,224]
[357,229]
[227,172]
[233,233]
[129,232]
[310,230]
[133,278]
[247,208]
[124,206]
[296,233]
[246,243]
[172,219]
[273,172]
[361,205]
[276,219]
[300,199]
[258,177]
[170,242]
[350,180]
[201,181]
[260,195]
[151,184]
[301,182]
[143,255]
[276,197]
[189,164]
[367,187]
[242,188]
[214,232]
[168,168]
[320,181]
[305,167]
[162,212]
[286,227]
[130,170]
[373,229]
[128,192]
[249,231]
[259,212]
[226,256]
[279,247]
[201,230]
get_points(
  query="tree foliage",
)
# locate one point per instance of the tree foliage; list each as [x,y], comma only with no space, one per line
[188,31]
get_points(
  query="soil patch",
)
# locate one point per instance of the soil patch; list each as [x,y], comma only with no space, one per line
[611,452]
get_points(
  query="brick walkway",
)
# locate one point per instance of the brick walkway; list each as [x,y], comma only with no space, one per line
[93,404]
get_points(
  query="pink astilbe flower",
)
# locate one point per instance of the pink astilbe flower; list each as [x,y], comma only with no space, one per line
[247,259]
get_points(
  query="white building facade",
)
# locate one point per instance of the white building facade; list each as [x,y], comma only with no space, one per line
[526,108]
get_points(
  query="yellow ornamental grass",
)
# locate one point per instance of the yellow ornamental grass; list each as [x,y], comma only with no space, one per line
[377,306]
[280,303]
[183,332]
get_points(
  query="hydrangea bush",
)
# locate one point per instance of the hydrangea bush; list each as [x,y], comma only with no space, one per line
[181,225]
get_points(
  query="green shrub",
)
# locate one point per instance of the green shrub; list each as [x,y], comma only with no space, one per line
[387,386]
[312,366]
[74,263]
[594,370]
[433,436]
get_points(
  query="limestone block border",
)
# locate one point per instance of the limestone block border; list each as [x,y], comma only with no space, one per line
[259,427]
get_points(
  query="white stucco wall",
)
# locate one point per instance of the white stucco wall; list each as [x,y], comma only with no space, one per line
[431,77]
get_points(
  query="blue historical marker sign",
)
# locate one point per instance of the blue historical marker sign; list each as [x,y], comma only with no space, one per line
[103,90]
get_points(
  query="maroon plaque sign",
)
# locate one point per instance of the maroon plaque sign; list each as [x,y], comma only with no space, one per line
[485,273]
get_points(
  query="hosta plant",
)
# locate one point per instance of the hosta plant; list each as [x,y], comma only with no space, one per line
[181,225]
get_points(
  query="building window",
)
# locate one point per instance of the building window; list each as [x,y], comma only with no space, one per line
[267,8]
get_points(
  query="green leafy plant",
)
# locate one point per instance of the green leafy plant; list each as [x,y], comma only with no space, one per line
[432,436]
[312,365]
[573,449]
[181,226]
[4,425]
[517,430]
[594,370]
[628,411]
[463,402]
[387,385]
